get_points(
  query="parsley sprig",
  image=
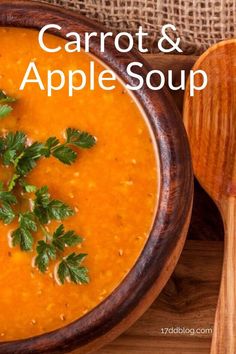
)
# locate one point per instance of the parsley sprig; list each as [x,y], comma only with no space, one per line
[47,251]
[16,152]
[7,199]
[46,209]
[22,157]
[5,109]
[64,152]
[70,267]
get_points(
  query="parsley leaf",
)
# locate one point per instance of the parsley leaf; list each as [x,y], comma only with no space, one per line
[7,197]
[58,210]
[23,238]
[28,188]
[80,139]
[70,269]
[61,239]
[7,214]
[27,221]
[12,182]
[28,159]
[42,197]
[51,143]
[46,252]
[15,141]
[65,154]
[62,152]
[47,209]
[12,146]
[5,99]
[5,110]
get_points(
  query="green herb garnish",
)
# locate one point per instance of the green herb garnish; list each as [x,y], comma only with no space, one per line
[70,267]
[5,99]
[5,109]
[7,199]
[61,239]
[47,209]
[55,244]
[32,207]
[64,152]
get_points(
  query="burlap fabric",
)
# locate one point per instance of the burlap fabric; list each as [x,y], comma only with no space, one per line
[199,23]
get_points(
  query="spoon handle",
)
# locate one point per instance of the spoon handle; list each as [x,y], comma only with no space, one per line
[224,335]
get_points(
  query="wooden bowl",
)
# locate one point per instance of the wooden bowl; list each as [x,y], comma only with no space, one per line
[161,252]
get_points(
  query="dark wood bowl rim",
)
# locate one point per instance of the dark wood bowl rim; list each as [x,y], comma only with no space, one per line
[175,187]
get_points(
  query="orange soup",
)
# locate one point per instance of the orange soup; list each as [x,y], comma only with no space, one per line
[112,187]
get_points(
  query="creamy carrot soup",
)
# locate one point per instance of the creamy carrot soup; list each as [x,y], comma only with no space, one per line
[112,187]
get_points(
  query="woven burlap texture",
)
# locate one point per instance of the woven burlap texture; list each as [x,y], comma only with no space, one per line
[199,23]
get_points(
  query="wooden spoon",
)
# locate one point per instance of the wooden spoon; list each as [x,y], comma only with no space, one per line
[210,120]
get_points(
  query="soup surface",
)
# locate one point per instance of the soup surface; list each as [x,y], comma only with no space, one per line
[113,187]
